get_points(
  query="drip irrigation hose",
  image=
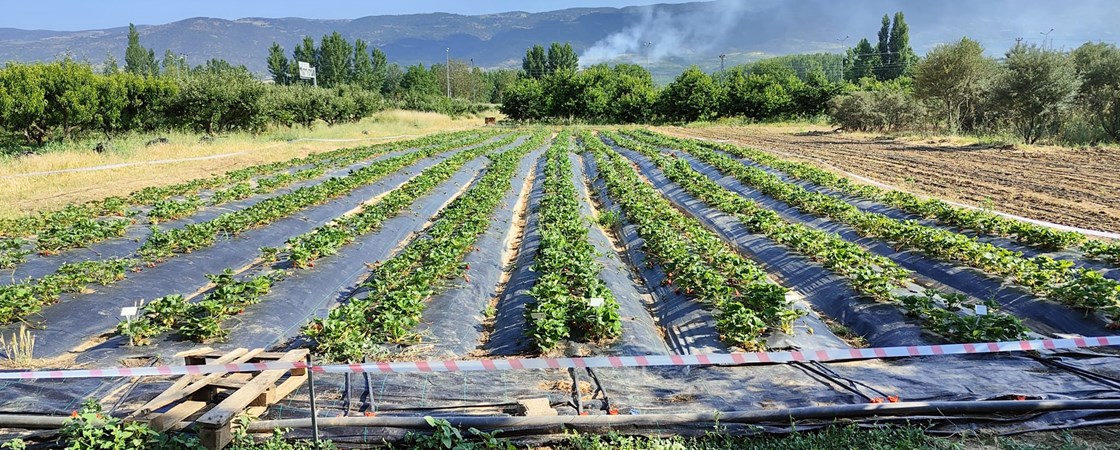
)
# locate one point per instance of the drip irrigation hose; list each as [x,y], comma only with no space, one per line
[368,406]
[847,384]
[576,400]
[902,409]
[598,389]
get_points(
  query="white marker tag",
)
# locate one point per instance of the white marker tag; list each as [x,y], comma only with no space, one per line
[537,316]
[129,311]
[981,310]
[595,301]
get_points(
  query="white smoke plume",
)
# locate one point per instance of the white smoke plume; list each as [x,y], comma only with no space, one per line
[659,34]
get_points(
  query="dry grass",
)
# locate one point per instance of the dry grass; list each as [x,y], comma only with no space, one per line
[22,194]
[19,348]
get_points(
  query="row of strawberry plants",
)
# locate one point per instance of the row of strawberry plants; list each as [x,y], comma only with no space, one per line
[30,295]
[200,321]
[22,299]
[85,224]
[747,306]
[193,320]
[399,286]
[873,275]
[980,221]
[569,276]
[305,249]
[1044,276]
[163,244]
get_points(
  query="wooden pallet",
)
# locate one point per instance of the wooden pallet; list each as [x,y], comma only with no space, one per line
[211,402]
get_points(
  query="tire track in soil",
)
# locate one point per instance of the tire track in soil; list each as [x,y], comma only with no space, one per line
[1074,187]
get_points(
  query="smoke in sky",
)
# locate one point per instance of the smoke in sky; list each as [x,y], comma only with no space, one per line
[660,34]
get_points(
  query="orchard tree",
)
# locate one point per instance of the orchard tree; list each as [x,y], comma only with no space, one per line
[23,102]
[524,100]
[1036,88]
[692,96]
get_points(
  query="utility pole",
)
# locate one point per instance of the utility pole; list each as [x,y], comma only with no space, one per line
[448,70]
[470,77]
[1046,36]
[721,64]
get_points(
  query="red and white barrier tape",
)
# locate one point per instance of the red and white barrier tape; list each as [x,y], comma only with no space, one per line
[490,365]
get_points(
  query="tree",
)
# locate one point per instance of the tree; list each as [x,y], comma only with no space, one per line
[23,102]
[335,60]
[215,101]
[111,67]
[535,64]
[692,96]
[137,59]
[953,78]
[562,57]
[524,100]
[362,72]
[70,90]
[304,52]
[901,55]
[174,66]
[418,79]
[278,64]
[1037,86]
[861,61]
[1098,66]
[884,48]
[381,70]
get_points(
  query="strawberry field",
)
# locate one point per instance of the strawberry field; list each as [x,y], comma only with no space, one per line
[537,242]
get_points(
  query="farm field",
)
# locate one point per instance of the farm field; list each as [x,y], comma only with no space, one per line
[516,242]
[1075,187]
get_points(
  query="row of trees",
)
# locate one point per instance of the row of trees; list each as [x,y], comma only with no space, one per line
[340,62]
[891,58]
[64,99]
[1034,93]
[625,93]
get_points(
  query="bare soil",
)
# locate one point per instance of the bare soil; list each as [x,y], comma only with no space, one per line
[1069,186]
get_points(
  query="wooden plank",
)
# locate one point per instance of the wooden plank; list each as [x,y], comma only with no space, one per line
[169,396]
[169,419]
[214,427]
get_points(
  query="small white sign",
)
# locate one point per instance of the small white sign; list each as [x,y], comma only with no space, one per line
[595,301]
[981,310]
[129,311]
[537,316]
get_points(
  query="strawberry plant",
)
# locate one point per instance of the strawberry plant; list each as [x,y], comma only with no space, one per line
[1043,275]
[13,252]
[978,220]
[398,287]
[171,209]
[566,261]
[746,305]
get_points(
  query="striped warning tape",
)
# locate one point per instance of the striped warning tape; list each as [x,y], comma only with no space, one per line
[487,365]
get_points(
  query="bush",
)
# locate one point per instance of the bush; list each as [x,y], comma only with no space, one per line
[886,110]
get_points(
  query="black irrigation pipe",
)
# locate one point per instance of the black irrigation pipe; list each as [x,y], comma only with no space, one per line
[902,409]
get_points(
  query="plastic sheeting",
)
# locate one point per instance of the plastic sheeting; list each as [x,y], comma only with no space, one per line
[1040,315]
[135,235]
[864,204]
[640,334]
[307,293]
[79,318]
[452,322]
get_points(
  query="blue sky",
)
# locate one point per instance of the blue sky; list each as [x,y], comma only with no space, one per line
[69,15]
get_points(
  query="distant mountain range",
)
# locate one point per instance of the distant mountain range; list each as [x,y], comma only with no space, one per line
[666,37]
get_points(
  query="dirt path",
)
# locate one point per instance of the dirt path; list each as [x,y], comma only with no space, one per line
[1076,187]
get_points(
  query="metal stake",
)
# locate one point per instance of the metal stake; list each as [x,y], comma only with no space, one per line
[311,389]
